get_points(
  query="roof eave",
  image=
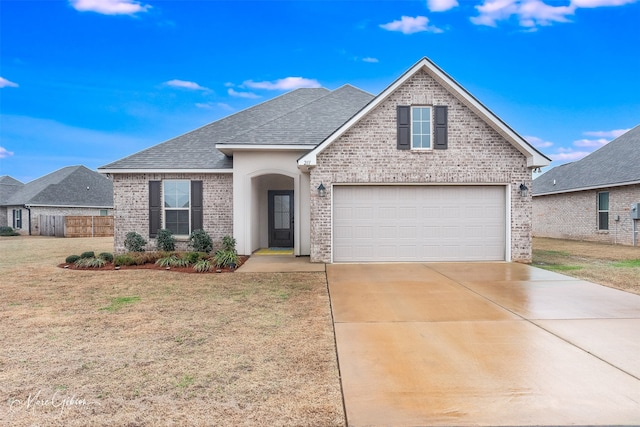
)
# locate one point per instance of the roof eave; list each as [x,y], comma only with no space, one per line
[229,149]
[592,187]
[113,171]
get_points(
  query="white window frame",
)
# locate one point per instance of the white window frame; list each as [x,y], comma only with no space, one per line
[165,209]
[431,142]
[17,219]
[600,211]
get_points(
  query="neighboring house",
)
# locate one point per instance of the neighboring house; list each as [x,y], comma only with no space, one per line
[73,190]
[421,172]
[593,198]
[8,186]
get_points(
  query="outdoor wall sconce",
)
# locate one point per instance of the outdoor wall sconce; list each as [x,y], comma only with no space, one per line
[524,190]
[322,191]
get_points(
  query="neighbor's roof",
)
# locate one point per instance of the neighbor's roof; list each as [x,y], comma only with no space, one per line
[300,118]
[70,186]
[8,186]
[534,157]
[615,164]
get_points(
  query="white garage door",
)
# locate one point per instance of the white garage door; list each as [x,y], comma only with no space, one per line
[419,223]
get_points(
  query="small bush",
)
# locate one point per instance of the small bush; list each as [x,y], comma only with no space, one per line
[88,254]
[8,231]
[134,242]
[228,243]
[226,258]
[106,256]
[202,266]
[200,241]
[72,259]
[90,262]
[124,259]
[166,241]
[172,261]
[193,257]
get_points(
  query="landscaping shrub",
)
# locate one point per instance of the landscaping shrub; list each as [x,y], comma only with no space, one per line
[172,261]
[166,241]
[88,254]
[134,242]
[90,262]
[106,256]
[8,231]
[202,266]
[227,256]
[72,259]
[193,257]
[124,259]
[200,241]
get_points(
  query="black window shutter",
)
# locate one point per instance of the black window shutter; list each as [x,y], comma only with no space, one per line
[440,127]
[196,205]
[404,127]
[155,208]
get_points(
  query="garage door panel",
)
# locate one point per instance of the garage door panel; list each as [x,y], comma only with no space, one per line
[419,223]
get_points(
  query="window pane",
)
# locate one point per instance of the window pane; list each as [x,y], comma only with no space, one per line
[176,194]
[603,220]
[603,201]
[421,127]
[281,216]
[177,221]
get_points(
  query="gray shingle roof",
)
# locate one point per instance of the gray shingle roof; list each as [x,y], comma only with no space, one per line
[8,186]
[614,164]
[69,186]
[300,117]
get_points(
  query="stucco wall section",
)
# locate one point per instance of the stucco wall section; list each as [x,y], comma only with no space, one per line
[574,216]
[131,201]
[367,153]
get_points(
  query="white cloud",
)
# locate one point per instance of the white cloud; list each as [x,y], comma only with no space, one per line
[247,95]
[6,83]
[568,155]
[538,142]
[288,83]
[371,60]
[441,5]
[608,133]
[600,3]
[590,142]
[409,25]
[530,13]
[110,7]
[185,85]
[4,153]
[214,105]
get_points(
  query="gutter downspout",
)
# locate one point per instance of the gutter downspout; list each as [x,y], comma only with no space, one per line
[29,216]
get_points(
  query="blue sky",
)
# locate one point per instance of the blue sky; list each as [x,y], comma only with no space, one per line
[91,81]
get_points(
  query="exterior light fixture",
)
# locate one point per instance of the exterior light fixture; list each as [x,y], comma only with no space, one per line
[322,191]
[524,190]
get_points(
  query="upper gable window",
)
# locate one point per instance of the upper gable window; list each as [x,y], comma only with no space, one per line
[422,127]
[421,130]
[176,204]
[603,210]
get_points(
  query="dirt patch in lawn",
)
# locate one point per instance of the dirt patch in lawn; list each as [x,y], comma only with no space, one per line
[143,347]
[615,266]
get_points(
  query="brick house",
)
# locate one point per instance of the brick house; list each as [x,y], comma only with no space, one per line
[72,190]
[421,172]
[594,198]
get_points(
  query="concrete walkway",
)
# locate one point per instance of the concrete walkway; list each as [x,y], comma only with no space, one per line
[500,344]
[279,264]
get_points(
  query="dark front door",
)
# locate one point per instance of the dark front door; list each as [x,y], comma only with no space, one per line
[281,218]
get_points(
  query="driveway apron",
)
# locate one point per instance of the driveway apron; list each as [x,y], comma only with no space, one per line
[500,344]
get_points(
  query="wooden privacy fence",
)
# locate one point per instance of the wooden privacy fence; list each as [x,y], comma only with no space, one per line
[88,226]
[76,226]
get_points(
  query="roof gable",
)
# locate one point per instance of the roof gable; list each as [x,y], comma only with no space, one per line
[534,157]
[69,186]
[616,163]
[8,186]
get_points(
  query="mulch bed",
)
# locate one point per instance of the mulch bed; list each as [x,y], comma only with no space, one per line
[151,266]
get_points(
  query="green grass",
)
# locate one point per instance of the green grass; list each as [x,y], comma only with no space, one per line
[556,253]
[119,302]
[631,263]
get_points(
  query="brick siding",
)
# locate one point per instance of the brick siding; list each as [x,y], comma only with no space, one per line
[131,200]
[574,215]
[367,154]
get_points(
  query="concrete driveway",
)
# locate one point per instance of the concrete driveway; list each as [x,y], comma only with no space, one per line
[446,344]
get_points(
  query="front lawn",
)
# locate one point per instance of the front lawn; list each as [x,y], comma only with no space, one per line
[143,347]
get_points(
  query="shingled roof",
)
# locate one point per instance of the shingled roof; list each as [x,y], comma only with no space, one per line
[69,187]
[615,164]
[303,117]
[8,186]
